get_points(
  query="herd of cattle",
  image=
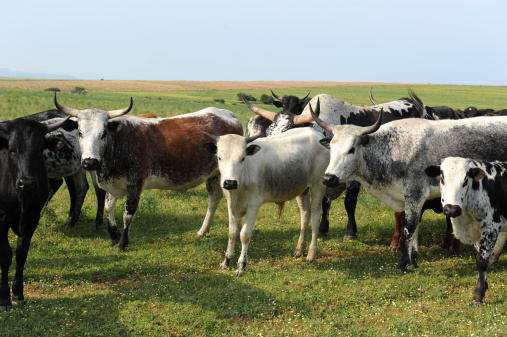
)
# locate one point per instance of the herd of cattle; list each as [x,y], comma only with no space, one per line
[404,153]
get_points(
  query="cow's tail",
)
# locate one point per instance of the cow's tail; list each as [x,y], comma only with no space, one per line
[281,206]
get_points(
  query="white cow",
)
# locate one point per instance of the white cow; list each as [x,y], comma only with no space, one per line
[474,195]
[286,166]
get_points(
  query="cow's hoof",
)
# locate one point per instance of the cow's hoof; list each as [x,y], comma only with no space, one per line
[5,308]
[70,224]
[240,272]
[475,304]
[348,237]
[322,234]
[18,300]
[296,254]
[394,249]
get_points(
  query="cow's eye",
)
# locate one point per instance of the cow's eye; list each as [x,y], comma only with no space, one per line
[80,134]
[352,150]
[103,136]
[242,160]
[219,158]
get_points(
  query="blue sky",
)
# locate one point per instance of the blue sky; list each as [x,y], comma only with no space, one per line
[430,41]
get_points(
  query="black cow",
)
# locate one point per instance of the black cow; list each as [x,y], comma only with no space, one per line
[24,189]
[471,112]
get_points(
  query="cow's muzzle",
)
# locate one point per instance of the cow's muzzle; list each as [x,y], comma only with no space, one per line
[26,184]
[452,210]
[230,184]
[330,180]
[90,164]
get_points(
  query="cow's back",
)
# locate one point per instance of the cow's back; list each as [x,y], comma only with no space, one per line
[166,152]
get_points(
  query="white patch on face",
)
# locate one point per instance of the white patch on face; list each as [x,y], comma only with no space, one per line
[455,172]
[231,155]
[342,162]
[92,125]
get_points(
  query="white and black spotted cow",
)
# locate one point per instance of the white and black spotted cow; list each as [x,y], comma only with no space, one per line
[474,195]
[389,160]
[337,112]
[63,161]
[290,105]
[130,154]
[273,169]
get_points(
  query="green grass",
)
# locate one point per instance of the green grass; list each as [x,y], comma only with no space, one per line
[167,283]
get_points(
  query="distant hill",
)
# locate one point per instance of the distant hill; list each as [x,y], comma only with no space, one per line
[7,73]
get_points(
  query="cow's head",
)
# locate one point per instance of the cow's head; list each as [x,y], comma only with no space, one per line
[231,151]
[346,147]
[93,125]
[290,117]
[457,176]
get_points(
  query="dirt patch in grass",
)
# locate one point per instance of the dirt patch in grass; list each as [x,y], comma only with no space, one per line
[133,86]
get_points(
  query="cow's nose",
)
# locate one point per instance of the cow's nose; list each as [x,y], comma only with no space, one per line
[230,184]
[26,184]
[90,164]
[330,180]
[452,210]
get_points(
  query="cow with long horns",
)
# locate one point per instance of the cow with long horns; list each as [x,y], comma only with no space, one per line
[131,154]
[389,160]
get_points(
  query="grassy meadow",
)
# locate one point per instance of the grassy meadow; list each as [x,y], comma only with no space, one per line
[167,283]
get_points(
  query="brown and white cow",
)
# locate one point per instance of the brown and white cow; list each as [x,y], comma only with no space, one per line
[131,154]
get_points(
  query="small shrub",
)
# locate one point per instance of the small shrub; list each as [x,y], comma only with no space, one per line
[78,90]
[219,100]
[247,96]
[266,99]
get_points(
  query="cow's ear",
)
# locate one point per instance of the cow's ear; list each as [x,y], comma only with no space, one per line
[366,140]
[4,139]
[476,173]
[432,171]
[252,149]
[278,104]
[70,125]
[114,126]
[325,142]
[54,143]
[211,147]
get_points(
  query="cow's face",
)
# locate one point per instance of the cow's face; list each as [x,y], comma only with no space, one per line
[457,176]
[345,153]
[232,152]
[92,128]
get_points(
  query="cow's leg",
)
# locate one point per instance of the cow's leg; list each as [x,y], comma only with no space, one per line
[133,198]
[500,243]
[351,195]
[5,263]
[21,255]
[246,234]
[450,242]
[214,196]
[483,252]
[398,242]
[234,228]
[54,185]
[111,221]
[303,201]
[411,231]
[316,212]
[101,197]
[324,222]
[80,188]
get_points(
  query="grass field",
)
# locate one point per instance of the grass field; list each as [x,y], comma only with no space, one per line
[167,283]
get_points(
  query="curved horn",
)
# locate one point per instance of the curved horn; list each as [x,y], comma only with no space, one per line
[65,110]
[418,104]
[326,126]
[55,126]
[303,119]
[251,139]
[275,95]
[215,138]
[120,112]
[371,129]
[264,113]
[372,99]
[304,97]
